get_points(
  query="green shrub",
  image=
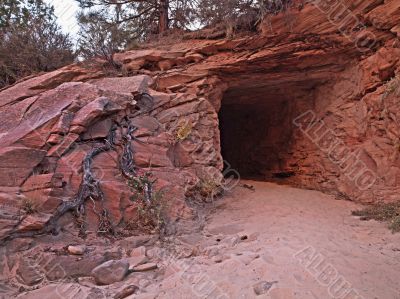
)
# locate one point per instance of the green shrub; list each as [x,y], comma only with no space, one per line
[151,205]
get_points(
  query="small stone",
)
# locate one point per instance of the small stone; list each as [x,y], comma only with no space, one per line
[110,272]
[136,261]
[140,251]
[127,291]
[217,259]
[187,252]
[86,281]
[77,249]
[263,287]
[145,267]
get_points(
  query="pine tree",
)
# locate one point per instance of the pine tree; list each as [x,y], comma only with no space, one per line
[30,40]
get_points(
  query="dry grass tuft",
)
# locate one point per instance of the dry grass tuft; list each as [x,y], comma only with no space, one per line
[385,212]
[392,87]
[28,206]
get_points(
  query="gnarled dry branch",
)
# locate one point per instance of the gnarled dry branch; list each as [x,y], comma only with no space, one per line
[90,186]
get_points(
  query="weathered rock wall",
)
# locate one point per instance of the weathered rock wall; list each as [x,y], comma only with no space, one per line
[46,137]
[339,77]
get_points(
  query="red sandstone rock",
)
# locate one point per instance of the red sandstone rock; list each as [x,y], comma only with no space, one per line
[126,85]
[33,222]
[98,130]
[17,163]
[258,84]
[9,218]
[63,146]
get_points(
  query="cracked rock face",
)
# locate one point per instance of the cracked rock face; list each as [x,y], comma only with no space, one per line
[243,93]
[45,139]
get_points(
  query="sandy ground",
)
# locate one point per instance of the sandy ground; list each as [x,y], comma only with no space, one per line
[275,242]
[304,243]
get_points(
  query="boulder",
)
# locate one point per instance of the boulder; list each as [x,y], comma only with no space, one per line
[110,272]
[70,266]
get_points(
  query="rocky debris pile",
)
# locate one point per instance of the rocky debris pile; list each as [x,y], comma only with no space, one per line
[114,270]
[36,268]
[96,268]
[246,233]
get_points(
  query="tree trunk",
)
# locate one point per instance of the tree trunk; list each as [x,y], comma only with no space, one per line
[163,21]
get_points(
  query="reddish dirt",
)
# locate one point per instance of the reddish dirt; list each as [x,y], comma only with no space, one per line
[280,241]
[287,228]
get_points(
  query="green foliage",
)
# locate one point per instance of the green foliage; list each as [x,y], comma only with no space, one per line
[151,206]
[141,18]
[110,26]
[20,12]
[31,41]
[238,14]
[385,212]
[101,37]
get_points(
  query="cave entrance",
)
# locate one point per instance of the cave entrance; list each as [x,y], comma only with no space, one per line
[257,130]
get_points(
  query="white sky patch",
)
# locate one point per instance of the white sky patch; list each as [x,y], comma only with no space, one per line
[66,11]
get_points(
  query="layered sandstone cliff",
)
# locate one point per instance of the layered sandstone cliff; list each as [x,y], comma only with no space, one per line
[312,100]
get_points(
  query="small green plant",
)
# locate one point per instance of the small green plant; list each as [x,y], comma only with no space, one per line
[28,206]
[385,212]
[151,206]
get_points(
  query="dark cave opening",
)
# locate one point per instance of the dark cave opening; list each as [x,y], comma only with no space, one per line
[257,131]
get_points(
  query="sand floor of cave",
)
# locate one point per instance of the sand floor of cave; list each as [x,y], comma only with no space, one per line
[302,240]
